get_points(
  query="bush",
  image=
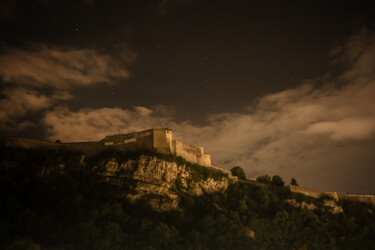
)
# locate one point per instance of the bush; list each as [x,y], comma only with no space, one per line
[277,181]
[293,182]
[238,171]
[264,179]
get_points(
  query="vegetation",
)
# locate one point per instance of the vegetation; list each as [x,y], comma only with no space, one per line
[238,171]
[45,207]
[293,182]
[264,179]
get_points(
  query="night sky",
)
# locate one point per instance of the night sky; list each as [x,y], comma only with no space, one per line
[276,87]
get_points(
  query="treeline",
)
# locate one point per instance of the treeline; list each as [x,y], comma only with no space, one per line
[45,207]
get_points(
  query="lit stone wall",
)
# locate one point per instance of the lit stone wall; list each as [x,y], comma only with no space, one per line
[366,198]
[186,151]
[311,192]
[191,153]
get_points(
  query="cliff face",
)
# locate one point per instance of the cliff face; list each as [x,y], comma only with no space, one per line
[158,182]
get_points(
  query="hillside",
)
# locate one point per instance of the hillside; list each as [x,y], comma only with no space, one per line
[58,199]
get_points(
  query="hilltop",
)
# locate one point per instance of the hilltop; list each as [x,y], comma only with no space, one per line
[61,199]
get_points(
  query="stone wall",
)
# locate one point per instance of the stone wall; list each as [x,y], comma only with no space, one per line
[366,198]
[311,192]
[160,142]
[191,153]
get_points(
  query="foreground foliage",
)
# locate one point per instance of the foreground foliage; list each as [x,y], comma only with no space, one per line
[45,207]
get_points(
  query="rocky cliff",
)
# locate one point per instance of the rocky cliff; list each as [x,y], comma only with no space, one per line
[159,182]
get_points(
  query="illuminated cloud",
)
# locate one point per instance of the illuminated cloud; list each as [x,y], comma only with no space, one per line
[62,68]
[94,124]
[17,102]
[349,128]
[31,75]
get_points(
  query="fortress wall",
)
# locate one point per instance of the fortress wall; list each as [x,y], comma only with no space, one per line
[311,192]
[169,140]
[145,140]
[369,199]
[204,160]
[89,148]
[161,144]
[186,151]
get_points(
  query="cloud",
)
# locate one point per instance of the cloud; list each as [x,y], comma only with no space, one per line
[18,101]
[323,136]
[38,79]
[348,128]
[62,68]
[94,124]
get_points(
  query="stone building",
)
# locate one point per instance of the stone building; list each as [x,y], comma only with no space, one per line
[153,140]
[159,141]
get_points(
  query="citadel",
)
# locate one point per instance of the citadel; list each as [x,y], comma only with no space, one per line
[158,140]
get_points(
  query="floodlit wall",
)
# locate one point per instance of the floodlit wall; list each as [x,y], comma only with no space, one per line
[161,144]
[145,140]
[311,192]
[366,198]
[191,153]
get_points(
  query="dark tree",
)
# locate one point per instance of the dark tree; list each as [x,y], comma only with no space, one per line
[264,179]
[277,181]
[293,182]
[58,141]
[238,171]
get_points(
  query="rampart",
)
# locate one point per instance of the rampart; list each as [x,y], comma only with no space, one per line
[366,198]
[338,196]
[311,192]
[191,153]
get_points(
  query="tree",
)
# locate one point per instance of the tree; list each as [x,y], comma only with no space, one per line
[293,182]
[277,181]
[264,179]
[238,171]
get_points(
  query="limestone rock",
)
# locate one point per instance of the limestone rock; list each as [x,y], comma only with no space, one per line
[155,181]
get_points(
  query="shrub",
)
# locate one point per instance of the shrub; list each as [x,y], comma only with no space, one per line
[238,171]
[277,181]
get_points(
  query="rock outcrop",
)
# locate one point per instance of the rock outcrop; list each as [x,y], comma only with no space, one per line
[158,182]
